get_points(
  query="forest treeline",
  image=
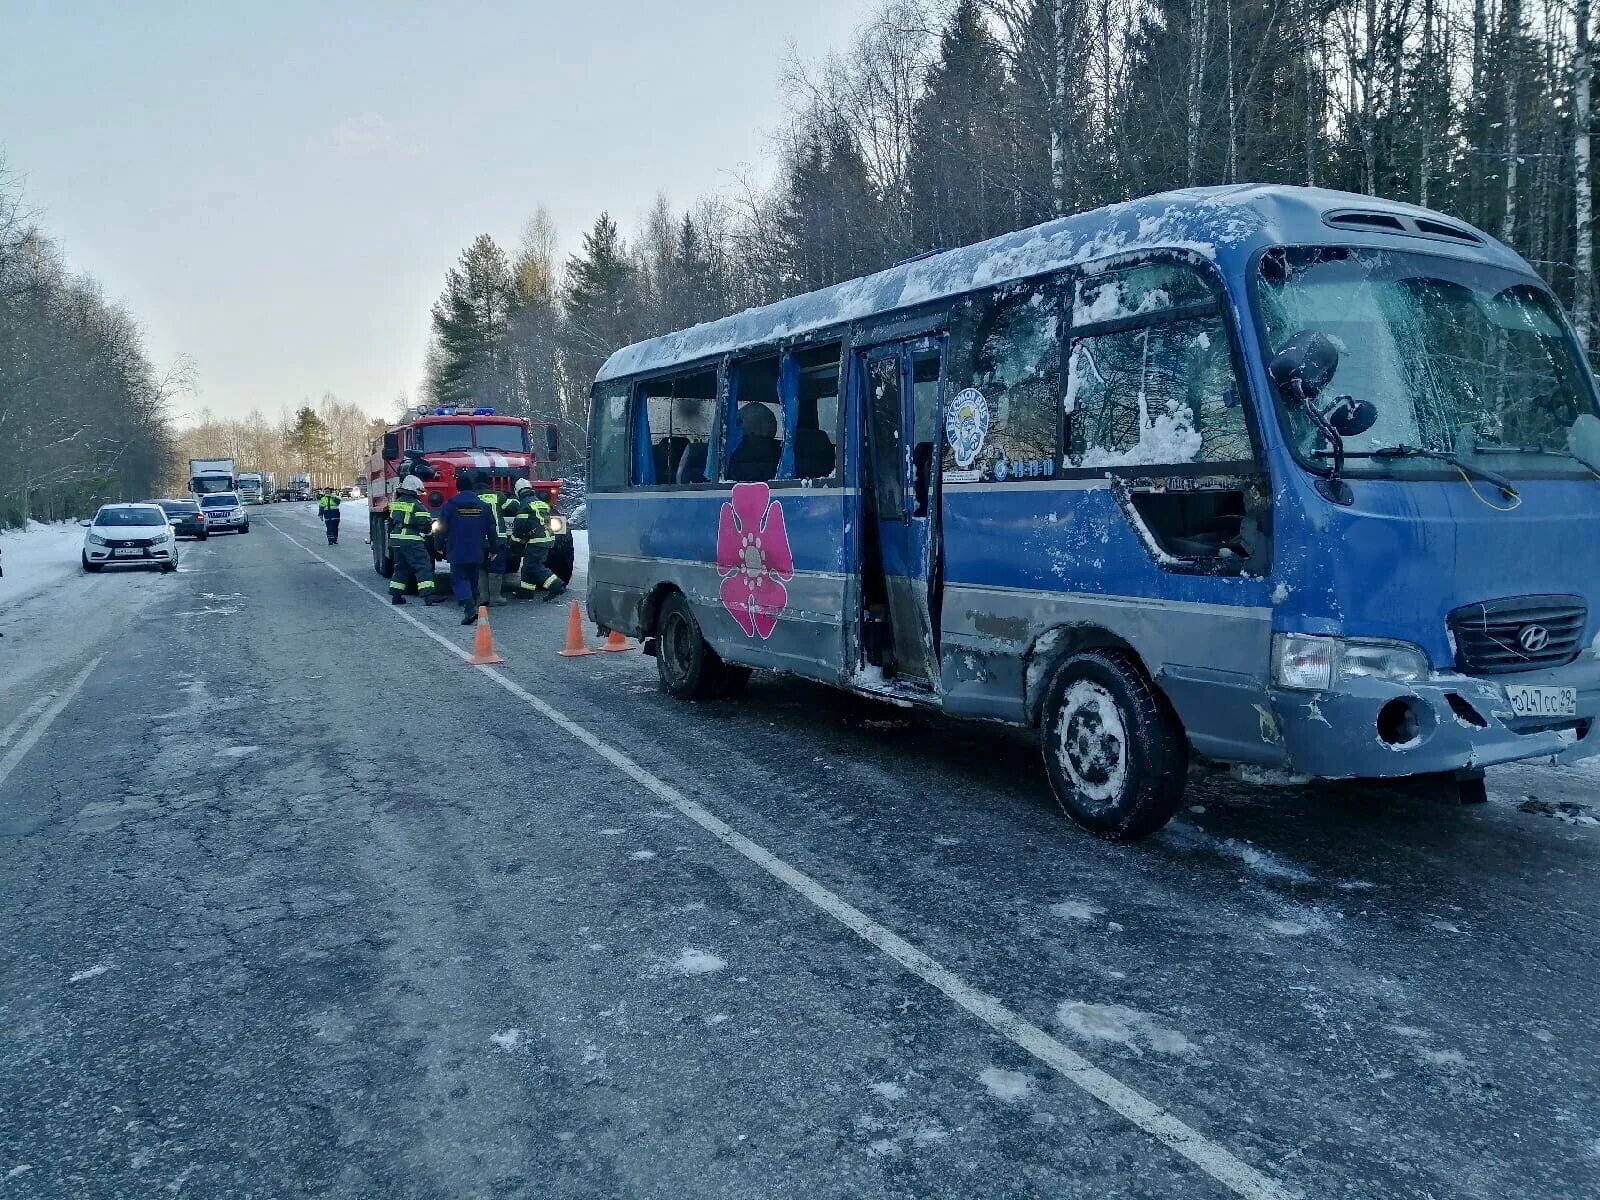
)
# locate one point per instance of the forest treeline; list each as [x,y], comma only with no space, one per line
[948,121]
[331,441]
[83,412]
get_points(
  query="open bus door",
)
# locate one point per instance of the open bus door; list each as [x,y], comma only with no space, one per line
[898,396]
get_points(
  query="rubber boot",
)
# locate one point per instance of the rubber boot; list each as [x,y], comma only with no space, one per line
[432,597]
[497,590]
[554,590]
[469,613]
[397,598]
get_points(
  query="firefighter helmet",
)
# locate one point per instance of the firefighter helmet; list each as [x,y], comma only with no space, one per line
[523,486]
[411,484]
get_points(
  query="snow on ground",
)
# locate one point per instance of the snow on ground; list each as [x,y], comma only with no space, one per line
[1006,1086]
[1116,1023]
[697,962]
[37,557]
[506,1039]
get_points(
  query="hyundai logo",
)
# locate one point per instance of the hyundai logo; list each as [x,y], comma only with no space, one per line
[1533,638]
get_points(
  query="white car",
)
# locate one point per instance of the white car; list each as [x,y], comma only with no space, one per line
[129,535]
[224,513]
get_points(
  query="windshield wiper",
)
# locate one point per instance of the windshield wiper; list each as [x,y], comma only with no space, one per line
[1507,488]
[1557,451]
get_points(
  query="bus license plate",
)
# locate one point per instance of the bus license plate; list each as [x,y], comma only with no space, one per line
[1536,701]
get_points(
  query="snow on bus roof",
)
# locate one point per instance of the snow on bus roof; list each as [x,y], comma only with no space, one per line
[1238,218]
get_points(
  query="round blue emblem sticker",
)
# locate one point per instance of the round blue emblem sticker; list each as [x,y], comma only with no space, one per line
[966,426]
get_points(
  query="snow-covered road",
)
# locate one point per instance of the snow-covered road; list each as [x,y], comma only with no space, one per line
[312,906]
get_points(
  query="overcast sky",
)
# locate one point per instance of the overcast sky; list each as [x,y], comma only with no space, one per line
[276,189]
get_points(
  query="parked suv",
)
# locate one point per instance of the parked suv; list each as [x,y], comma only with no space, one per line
[133,535]
[224,513]
[185,518]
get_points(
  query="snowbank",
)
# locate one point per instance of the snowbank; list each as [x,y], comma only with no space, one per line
[37,557]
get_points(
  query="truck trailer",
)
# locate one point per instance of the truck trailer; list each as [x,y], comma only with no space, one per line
[208,475]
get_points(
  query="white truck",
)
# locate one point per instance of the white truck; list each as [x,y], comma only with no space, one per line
[255,487]
[207,475]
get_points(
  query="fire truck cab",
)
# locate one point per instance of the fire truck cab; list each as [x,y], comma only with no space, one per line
[438,443]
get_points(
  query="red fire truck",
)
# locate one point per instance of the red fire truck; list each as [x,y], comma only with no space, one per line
[437,443]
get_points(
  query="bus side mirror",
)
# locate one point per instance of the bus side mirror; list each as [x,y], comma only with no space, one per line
[1305,365]
[1351,417]
[552,442]
[391,447]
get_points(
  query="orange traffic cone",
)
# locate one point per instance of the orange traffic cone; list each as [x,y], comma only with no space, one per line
[575,647]
[617,644]
[483,654]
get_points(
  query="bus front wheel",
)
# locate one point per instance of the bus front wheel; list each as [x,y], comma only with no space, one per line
[1115,753]
[689,668]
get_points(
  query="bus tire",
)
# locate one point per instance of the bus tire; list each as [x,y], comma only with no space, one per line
[689,668]
[562,557]
[1115,753]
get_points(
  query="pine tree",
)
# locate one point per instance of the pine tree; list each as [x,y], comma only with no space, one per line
[703,290]
[829,215]
[958,139]
[599,302]
[310,442]
[471,322]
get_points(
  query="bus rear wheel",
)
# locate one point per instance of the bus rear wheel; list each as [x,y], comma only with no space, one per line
[1115,753]
[689,668]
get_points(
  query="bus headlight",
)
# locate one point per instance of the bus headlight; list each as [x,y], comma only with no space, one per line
[558,524]
[1308,663]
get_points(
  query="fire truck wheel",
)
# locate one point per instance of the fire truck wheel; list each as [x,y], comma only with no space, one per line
[561,557]
[381,562]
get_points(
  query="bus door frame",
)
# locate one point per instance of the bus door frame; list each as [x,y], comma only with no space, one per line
[911,537]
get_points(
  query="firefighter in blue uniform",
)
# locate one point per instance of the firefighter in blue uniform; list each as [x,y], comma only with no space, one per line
[492,580]
[530,529]
[470,540]
[409,523]
[328,510]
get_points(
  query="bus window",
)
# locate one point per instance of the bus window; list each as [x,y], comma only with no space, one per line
[755,432]
[816,456]
[1009,405]
[677,414]
[1156,387]
[609,466]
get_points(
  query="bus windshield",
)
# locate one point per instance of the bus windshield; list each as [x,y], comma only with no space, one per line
[1458,357]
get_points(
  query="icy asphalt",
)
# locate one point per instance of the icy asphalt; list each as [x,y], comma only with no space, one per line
[297,903]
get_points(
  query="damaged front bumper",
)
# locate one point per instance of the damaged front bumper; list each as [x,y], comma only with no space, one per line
[1369,728]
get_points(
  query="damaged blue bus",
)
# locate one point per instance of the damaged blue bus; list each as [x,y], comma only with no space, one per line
[1252,475]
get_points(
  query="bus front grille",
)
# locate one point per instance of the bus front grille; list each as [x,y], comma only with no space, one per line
[1523,633]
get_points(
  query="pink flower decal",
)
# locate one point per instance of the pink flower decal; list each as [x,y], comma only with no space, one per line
[754,559]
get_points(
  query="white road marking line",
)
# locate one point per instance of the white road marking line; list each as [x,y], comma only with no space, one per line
[10,731]
[16,754]
[1211,1157]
